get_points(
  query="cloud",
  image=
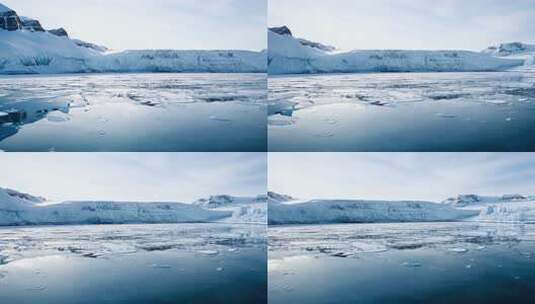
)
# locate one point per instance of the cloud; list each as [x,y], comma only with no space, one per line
[407,24]
[134,176]
[159,24]
[395,176]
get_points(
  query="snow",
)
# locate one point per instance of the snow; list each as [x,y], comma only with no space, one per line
[274,197]
[4,8]
[22,209]
[244,209]
[507,208]
[363,211]
[25,52]
[107,241]
[287,55]
[511,48]
[18,208]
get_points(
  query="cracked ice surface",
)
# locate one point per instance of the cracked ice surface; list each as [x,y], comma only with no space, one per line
[134,112]
[402,111]
[102,241]
[352,240]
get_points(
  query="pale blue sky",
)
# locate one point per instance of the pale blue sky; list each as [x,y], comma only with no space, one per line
[397,176]
[158,24]
[407,24]
[182,177]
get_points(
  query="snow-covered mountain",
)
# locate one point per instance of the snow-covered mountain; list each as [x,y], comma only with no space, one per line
[506,208]
[26,48]
[289,55]
[274,197]
[511,48]
[244,209]
[363,211]
[18,208]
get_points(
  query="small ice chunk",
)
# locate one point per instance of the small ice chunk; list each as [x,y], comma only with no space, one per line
[161,266]
[497,101]
[58,116]
[219,269]
[215,118]
[443,115]
[411,264]
[469,266]
[458,250]
[209,252]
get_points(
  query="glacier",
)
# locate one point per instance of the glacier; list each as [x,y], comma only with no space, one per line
[17,209]
[26,52]
[324,211]
[26,48]
[508,208]
[251,210]
[289,55]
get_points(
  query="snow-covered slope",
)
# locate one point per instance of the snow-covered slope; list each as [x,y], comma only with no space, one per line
[274,197]
[511,48]
[22,209]
[25,52]
[243,209]
[288,55]
[515,50]
[26,48]
[506,208]
[360,211]
[222,61]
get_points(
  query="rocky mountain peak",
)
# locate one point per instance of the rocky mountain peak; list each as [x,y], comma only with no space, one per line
[61,32]
[31,24]
[281,30]
[9,20]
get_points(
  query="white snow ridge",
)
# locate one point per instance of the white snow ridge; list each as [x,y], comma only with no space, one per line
[26,48]
[289,55]
[514,208]
[18,208]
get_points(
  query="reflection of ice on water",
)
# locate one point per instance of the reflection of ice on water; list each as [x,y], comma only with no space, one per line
[351,240]
[289,94]
[28,99]
[105,241]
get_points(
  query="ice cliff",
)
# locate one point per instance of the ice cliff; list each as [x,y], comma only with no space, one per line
[363,211]
[290,55]
[27,48]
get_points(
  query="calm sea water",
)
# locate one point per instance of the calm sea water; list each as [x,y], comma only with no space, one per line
[403,112]
[402,263]
[180,263]
[133,112]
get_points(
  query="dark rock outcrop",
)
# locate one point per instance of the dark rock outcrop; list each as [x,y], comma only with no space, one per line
[281,30]
[89,45]
[31,24]
[9,20]
[61,32]
[284,30]
[317,45]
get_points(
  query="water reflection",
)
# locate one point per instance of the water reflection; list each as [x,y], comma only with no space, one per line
[13,115]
